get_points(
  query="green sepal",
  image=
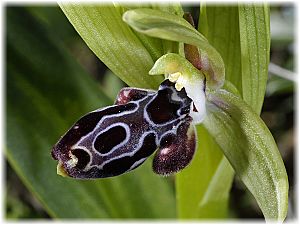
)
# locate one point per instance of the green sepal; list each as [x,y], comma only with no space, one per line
[172,27]
[250,148]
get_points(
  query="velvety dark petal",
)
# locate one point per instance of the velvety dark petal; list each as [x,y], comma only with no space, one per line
[168,104]
[127,163]
[107,140]
[120,165]
[117,139]
[83,126]
[175,151]
[131,94]
[86,124]
[161,109]
[83,158]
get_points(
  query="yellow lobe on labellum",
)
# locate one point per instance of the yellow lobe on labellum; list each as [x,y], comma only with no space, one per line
[180,83]
[178,86]
[60,170]
[173,77]
[178,78]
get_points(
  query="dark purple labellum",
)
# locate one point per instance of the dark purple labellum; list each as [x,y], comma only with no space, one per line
[116,139]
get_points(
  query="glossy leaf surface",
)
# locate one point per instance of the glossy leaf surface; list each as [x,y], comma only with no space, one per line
[113,42]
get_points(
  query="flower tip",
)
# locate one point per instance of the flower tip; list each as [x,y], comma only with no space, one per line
[127,16]
[152,71]
[60,170]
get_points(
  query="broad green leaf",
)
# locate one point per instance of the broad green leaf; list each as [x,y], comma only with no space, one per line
[53,17]
[202,188]
[47,91]
[254,20]
[111,84]
[216,198]
[153,45]
[171,27]
[214,179]
[220,25]
[113,42]
[250,148]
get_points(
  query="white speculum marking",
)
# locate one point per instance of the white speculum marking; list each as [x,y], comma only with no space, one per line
[88,165]
[136,163]
[128,134]
[146,115]
[74,160]
[79,145]
[140,144]
[130,154]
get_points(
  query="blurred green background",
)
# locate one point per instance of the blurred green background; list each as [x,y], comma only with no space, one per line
[278,108]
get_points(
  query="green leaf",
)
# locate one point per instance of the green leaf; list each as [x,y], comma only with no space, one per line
[202,188]
[251,150]
[254,20]
[242,37]
[54,18]
[113,42]
[111,84]
[215,201]
[209,196]
[153,45]
[171,27]
[47,91]
[220,25]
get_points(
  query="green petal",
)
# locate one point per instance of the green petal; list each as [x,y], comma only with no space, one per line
[171,27]
[250,148]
